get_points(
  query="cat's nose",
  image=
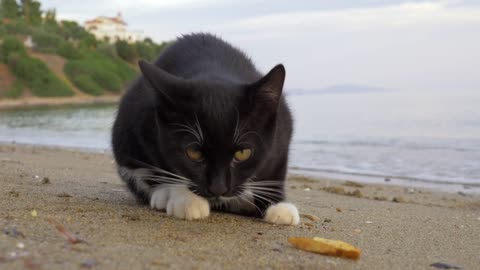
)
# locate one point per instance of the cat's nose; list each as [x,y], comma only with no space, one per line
[218,189]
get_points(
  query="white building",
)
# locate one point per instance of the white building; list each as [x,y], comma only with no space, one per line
[112,28]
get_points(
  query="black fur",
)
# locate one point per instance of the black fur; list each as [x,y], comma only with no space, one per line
[202,78]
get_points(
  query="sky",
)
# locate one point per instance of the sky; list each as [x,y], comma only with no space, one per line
[401,45]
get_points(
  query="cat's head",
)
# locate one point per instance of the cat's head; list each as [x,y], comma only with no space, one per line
[213,131]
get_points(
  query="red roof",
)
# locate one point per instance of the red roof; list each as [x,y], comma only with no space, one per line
[118,19]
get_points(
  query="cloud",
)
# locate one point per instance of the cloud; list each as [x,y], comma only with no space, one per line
[403,15]
[86,9]
[161,4]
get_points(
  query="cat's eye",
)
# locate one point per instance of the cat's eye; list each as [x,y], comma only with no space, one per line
[194,153]
[243,155]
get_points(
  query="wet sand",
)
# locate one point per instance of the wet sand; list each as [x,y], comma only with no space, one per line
[395,227]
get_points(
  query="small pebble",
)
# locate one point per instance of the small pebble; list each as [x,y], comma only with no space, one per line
[356,193]
[34,213]
[14,193]
[310,217]
[307,189]
[353,184]
[36,177]
[398,200]
[89,263]
[64,195]
[45,180]
[308,224]
[20,245]
[368,222]
[13,232]
[440,265]
[339,209]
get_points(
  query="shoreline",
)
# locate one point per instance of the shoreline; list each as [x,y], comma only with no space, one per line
[395,227]
[364,178]
[35,102]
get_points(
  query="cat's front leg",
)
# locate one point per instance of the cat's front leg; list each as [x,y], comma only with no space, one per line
[283,213]
[179,202]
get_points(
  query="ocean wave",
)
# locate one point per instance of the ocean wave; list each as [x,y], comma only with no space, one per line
[413,145]
[430,180]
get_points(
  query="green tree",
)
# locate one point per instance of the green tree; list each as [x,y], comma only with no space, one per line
[71,30]
[36,75]
[126,51]
[145,50]
[107,49]
[51,17]
[88,41]
[9,46]
[46,41]
[31,12]
[9,9]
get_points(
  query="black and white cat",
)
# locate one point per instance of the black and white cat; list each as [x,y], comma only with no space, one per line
[202,129]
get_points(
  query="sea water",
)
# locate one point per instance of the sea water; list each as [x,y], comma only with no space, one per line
[418,137]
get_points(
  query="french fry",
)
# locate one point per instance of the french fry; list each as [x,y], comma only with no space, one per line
[326,247]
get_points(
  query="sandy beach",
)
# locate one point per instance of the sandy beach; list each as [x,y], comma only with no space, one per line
[35,102]
[44,188]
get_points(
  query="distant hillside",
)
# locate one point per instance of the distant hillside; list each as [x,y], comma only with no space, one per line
[43,57]
[338,89]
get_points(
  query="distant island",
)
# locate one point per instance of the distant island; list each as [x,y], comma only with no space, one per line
[338,89]
[44,61]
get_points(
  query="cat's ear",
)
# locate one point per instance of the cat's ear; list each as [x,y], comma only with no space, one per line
[266,92]
[163,82]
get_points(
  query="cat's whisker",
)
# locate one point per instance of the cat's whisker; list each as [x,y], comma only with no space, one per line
[189,131]
[251,181]
[239,131]
[273,197]
[199,128]
[263,197]
[265,190]
[250,132]
[173,186]
[195,192]
[243,197]
[160,180]
[195,131]
[158,169]
[236,131]
[163,177]
[275,193]
[270,194]
[183,126]
[262,184]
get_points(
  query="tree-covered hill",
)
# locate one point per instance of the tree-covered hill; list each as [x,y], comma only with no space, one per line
[95,67]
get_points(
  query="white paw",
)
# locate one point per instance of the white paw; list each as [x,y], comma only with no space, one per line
[159,197]
[180,203]
[283,213]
